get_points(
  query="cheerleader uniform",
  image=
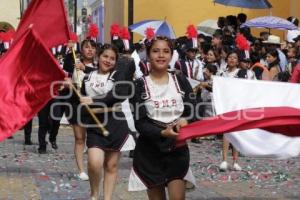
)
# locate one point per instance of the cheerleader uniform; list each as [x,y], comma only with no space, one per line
[192,69]
[145,67]
[98,86]
[157,159]
[71,112]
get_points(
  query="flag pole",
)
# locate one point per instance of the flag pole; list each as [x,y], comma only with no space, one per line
[99,124]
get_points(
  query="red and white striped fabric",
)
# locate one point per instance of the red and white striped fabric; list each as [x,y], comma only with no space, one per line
[245,104]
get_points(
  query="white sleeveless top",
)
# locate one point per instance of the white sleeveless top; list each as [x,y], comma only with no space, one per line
[98,84]
[231,74]
[165,103]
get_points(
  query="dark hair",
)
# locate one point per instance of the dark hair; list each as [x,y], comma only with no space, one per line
[216,52]
[242,17]
[212,68]
[295,49]
[273,52]
[294,20]
[162,38]
[283,76]
[261,34]
[254,57]
[233,52]
[226,49]
[88,41]
[232,21]
[205,46]
[218,33]
[108,47]
[221,22]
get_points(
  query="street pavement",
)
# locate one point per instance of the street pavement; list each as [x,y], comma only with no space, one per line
[24,174]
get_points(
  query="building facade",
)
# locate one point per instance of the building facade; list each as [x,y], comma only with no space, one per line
[10,11]
[97,17]
[180,13]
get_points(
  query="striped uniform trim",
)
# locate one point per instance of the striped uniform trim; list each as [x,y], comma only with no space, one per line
[111,76]
[177,85]
[147,91]
[88,76]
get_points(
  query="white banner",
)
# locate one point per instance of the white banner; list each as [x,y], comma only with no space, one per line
[231,94]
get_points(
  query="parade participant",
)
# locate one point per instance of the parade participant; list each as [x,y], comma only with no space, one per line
[217,40]
[190,66]
[213,57]
[77,69]
[104,151]
[161,106]
[210,70]
[144,65]
[244,56]
[27,133]
[127,69]
[231,72]
[46,124]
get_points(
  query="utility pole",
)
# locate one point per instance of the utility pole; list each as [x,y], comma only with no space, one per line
[130,14]
[75,16]
[84,16]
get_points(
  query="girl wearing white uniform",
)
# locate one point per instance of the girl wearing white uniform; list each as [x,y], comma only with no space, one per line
[104,151]
[160,110]
[76,70]
[232,71]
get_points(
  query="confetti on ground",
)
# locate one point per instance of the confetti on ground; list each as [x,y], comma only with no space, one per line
[264,172]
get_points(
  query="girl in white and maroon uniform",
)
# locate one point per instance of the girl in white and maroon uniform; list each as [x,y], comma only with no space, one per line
[80,67]
[160,110]
[232,71]
[104,151]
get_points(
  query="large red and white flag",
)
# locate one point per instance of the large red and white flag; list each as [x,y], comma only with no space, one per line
[246,104]
[49,20]
[27,72]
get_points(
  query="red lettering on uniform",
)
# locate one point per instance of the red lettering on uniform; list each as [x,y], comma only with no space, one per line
[156,104]
[165,103]
[174,103]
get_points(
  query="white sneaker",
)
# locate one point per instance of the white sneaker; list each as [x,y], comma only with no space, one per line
[85,149]
[223,166]
[83,176]
[236,167]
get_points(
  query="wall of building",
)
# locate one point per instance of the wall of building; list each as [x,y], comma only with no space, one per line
[295,8]
[114,12]
[180,13]
[98,17]
[10,12]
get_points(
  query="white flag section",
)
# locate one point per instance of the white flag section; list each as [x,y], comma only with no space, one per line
[230,94]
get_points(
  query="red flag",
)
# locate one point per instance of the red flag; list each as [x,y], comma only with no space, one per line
[49,20]
[27,71]
[284,120]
